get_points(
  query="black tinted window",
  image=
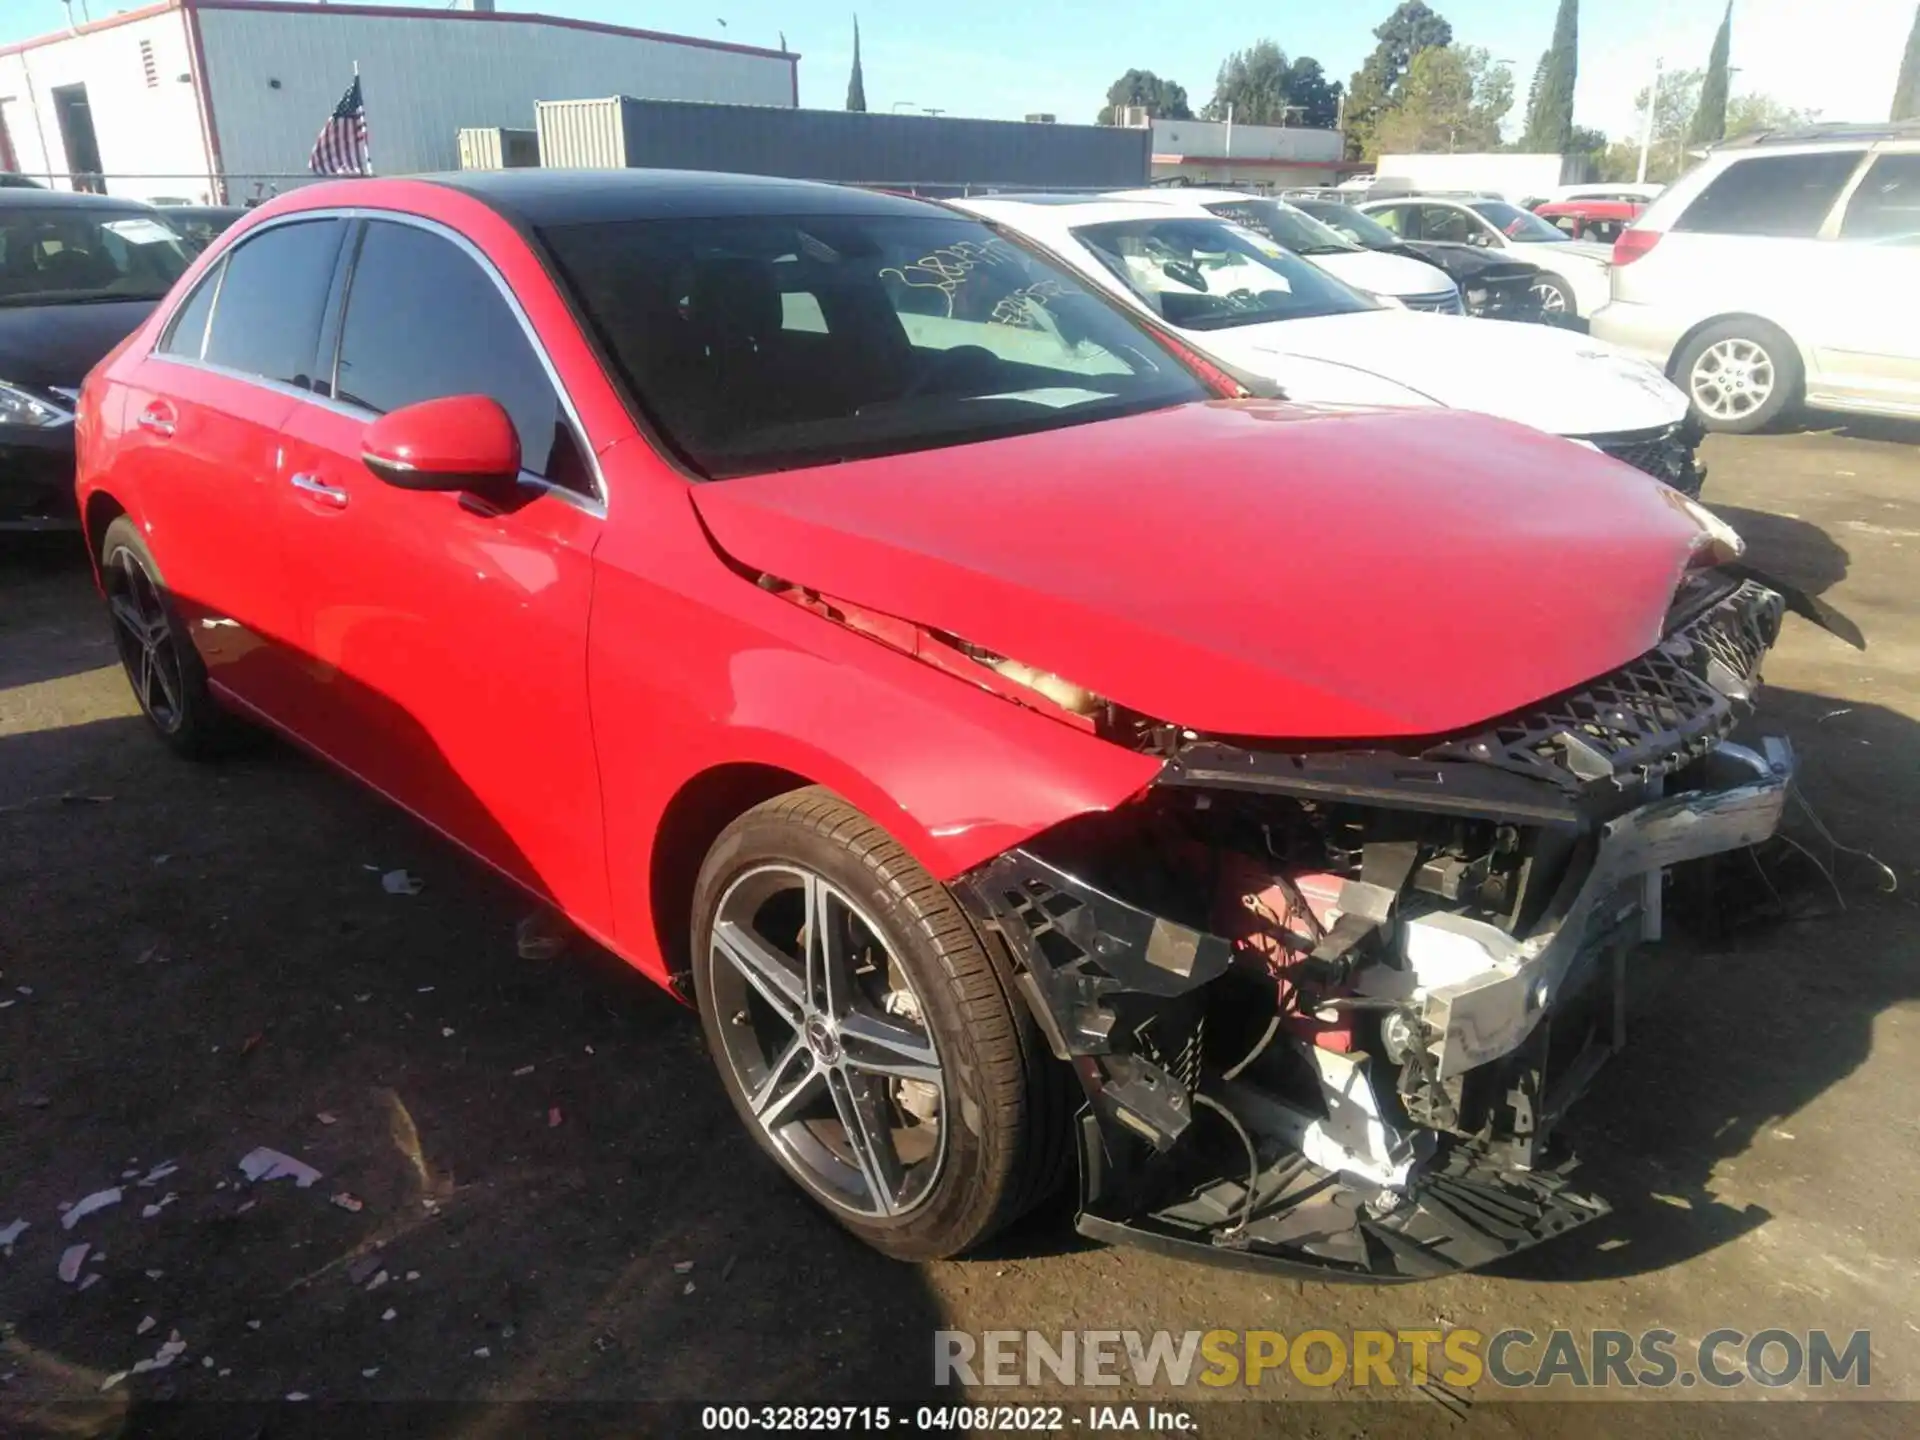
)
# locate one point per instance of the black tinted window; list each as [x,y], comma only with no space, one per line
[268,313]
[188,329]
[424,321]
[1887,203]
[1779,195]
[763,342]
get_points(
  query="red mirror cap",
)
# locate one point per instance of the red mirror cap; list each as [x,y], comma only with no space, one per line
[455,443]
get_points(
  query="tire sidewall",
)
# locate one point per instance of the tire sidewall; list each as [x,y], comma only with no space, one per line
[1786,374]
[967,1192]
[201,730]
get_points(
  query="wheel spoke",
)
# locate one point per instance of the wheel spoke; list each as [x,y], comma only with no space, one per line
[160,663]
[128,617]
[789,1080]
[879,1047]
[863,1116]
[828,973]
[770,973]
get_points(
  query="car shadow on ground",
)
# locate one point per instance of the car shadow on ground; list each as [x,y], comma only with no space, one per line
[1885,428]
[1786,548]
[48,627]
[531,1185]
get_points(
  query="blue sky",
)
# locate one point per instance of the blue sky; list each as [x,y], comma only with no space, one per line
[1004,58]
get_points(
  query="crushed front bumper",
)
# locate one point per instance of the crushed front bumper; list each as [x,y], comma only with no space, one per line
[1548,1009]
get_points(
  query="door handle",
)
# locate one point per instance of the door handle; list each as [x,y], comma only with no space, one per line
[158,419]
[326,494]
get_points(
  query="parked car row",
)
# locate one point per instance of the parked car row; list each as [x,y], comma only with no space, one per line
[1217,273]
[885,624]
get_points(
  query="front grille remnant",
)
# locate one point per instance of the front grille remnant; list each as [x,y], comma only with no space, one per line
[1652,716]
[1666,454]
[1440,302]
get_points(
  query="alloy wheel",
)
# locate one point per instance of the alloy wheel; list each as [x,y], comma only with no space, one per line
[829,1042]
[1553,300]
[1731,379]
[144,635]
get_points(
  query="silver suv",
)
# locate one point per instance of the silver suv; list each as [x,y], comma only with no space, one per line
[1783,270]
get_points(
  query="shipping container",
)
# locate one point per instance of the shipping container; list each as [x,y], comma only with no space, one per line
[923,152]
[495,147]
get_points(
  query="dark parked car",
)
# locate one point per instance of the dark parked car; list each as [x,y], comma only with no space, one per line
[198,224]
[78,273]
[1493,285]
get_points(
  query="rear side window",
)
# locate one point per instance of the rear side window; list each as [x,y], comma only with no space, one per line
[1784,196]
[187,331]
[1886,205]
[267,321]
[424,321]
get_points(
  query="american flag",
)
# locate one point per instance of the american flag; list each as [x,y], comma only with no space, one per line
[341,147]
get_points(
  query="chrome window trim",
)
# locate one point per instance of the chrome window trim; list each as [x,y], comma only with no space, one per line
[595,504]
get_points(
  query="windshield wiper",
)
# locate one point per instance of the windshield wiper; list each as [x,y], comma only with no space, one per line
[55,297]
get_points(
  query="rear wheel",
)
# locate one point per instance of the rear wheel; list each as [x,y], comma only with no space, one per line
[865,1036]
[161,664]
[1555,296]
[1741,375]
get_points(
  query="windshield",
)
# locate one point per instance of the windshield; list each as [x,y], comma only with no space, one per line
[1350,224]
[767,342]
[1209,275]
[68,257]
[1523,227]
[1284,225]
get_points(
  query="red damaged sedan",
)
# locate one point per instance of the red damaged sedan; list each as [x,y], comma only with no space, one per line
[1023,756]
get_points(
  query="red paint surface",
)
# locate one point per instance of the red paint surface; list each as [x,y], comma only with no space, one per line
[1249,569]
[544,684]
[454,435]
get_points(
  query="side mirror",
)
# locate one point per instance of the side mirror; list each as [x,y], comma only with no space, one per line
[461,442]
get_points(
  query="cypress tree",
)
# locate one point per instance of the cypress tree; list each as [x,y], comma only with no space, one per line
[856,82]
[1710,119]
[1550,117]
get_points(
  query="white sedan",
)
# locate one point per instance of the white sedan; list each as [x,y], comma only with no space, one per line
[1578,276]
[1233,294]
[1414,283]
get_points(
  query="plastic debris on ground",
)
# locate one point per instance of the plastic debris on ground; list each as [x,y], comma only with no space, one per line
[351,1203]
[264,1164]
[682,1267]
[162,1359]
[71,1260]
[523,1070]
[91,1281]
[542,935]
[389,1314]
[145,1325]
[156,1175]
[553,1117]
[253,1324]
[11,1233]
[482,1353]
[399,882]
[378,1281]
[369,1373]
[147,1212]
[99,1200]
[327,1117]
[689,1288]
[413,1274]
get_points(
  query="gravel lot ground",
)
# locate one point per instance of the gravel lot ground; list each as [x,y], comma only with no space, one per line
[198,961]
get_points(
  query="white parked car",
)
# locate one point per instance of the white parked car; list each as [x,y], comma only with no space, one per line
[1414,283]
[1779,272]
[1233,294]
[1573,277]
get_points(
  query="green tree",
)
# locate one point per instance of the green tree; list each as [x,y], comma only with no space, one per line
[1550,116]
[1679,98]
[1377,84]
[856,82]
[1317,97]
[1252,85]
[1452,99]
[1161,99]
[1906,90]
[1710,120]
[1748,113]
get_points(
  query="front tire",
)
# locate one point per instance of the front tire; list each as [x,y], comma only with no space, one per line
[1740,375]
[865,1037]
[166,672]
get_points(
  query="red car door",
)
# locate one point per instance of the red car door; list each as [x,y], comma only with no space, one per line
[201,453]
[448,637]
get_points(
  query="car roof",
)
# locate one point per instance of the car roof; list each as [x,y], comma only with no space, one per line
[1022,214]
[1197,194]
[21,198]
[539,197]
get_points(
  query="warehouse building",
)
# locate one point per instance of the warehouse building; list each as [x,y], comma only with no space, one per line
[1247,157]
[206,100]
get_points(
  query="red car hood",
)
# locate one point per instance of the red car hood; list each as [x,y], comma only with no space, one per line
[1249,569]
